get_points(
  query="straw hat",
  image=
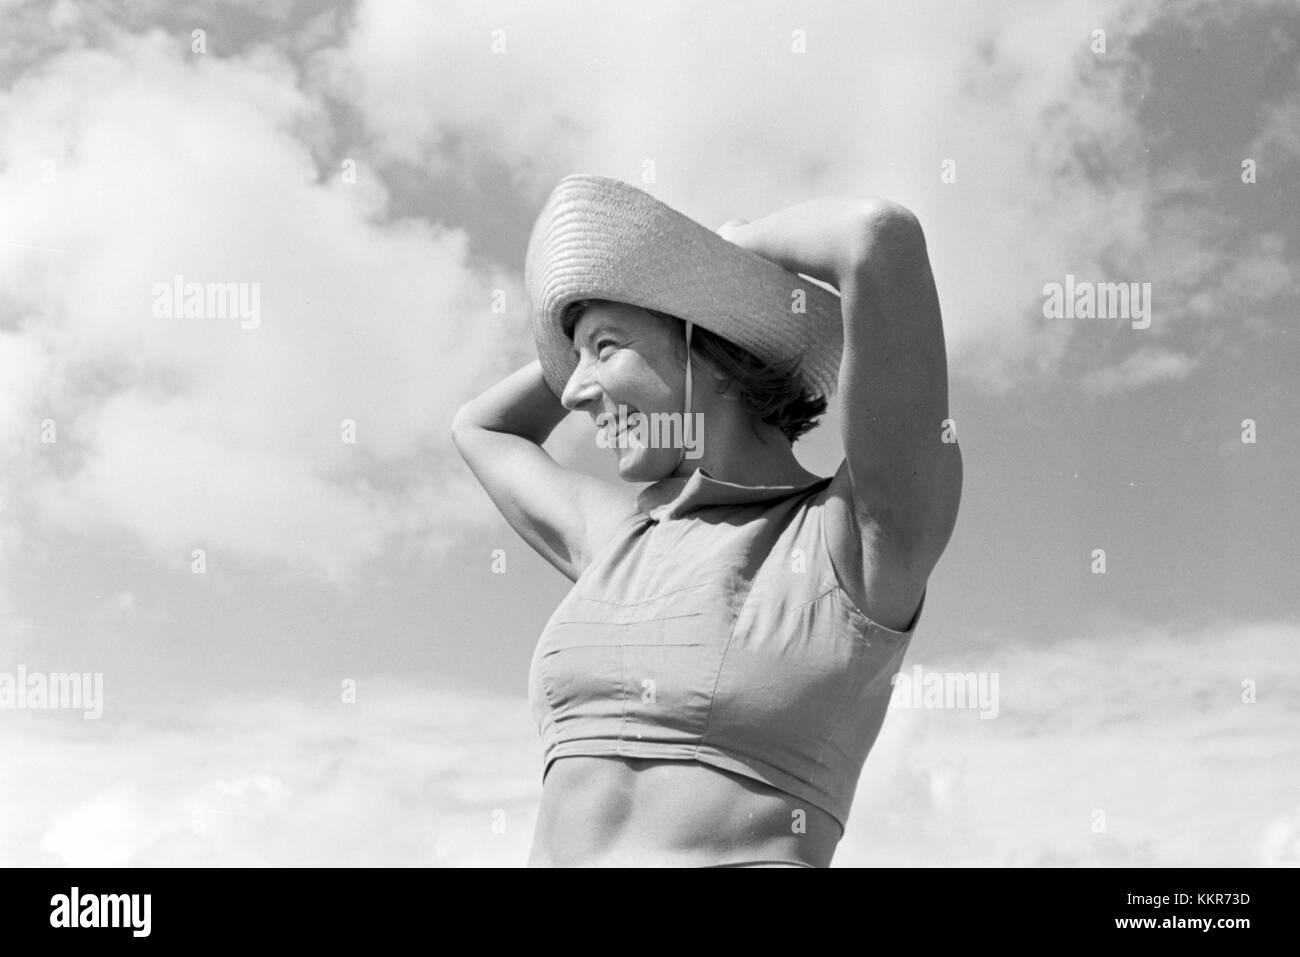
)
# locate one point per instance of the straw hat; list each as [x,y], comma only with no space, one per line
[601,238]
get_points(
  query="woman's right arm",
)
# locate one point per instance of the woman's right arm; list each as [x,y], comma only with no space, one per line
[564,515]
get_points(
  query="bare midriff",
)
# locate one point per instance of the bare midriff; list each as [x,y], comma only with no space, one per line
[616,811]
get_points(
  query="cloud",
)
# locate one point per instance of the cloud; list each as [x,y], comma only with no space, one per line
[1145,725]
[1280,843]
[1144,367]
[409,775]
[194,432]
[128,160]
[1047,137]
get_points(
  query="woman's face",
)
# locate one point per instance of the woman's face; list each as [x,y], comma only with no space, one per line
[628,367]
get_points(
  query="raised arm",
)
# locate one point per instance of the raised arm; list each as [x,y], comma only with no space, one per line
[563,514]
[900,484]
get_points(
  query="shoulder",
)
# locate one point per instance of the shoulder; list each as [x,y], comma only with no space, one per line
[606,508]
[870,563]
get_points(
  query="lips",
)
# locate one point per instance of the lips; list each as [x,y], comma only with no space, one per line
[634,417]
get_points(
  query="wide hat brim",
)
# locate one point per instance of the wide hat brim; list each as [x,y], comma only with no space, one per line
[601,238]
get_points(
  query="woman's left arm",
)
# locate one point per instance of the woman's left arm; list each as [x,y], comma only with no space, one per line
[903,459]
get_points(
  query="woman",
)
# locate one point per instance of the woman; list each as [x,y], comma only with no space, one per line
[709,689]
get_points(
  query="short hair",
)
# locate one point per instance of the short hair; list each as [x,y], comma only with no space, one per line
[773,393]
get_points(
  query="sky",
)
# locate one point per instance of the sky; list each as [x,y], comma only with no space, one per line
[339,675]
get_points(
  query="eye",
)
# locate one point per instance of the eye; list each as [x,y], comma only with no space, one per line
[600,346]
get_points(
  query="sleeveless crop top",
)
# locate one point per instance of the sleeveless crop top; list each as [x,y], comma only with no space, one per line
[713,627]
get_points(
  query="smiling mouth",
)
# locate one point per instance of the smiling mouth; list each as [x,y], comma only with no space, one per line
[634,419]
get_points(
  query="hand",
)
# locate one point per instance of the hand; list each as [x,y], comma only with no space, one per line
[747,235]
[815,238]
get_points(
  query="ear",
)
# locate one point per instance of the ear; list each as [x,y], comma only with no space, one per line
[722,386]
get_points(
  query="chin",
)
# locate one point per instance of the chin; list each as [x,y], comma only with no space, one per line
[645,465]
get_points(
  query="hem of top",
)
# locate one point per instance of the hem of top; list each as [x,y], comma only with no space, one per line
[751,768]
[764,862]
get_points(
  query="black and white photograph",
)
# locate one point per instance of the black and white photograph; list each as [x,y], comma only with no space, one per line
[577,434]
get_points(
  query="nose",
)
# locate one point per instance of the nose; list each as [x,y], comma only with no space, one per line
[581,389]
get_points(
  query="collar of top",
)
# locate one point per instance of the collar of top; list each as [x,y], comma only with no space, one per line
[673,497]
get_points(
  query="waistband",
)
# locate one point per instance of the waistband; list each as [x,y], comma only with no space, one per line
[773,862]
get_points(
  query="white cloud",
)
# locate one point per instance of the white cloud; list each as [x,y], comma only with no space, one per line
[857,113]
[100,832]
[1048,145]
[193,431]
[1146,724]
[1144,367]
[1280,844]
[407,776]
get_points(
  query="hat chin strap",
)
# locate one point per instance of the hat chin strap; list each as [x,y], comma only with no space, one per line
[687,415]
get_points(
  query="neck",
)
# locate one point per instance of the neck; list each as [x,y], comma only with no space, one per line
[739,449]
